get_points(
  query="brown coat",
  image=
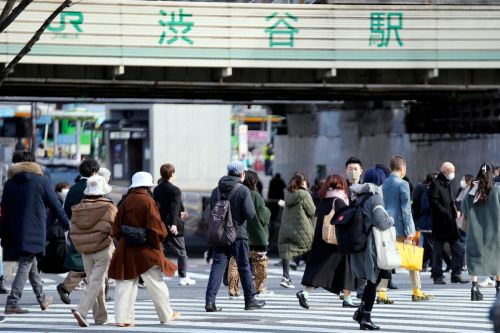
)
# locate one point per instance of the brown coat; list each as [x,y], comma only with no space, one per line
[92,224]
[130,261]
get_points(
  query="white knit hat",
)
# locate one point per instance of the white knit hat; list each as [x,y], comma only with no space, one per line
[142,179]
[97,185]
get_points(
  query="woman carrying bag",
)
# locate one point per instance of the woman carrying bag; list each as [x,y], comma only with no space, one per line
[327,268]
[364,263]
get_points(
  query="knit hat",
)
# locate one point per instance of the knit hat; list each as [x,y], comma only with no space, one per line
[97,185]
[374,176]
[142,179]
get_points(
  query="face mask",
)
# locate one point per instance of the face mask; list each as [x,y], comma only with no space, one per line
[354,176]
[64,193]
[463,184]
[451,176]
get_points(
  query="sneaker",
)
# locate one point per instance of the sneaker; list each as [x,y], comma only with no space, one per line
[287,283]
[236,296]
[302,299]
[82,321]
[487,283]
[186,281]
[264,293]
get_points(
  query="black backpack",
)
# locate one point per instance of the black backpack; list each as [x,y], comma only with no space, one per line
[221,229]
[350,228]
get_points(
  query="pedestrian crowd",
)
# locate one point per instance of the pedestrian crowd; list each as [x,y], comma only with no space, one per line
[334,229]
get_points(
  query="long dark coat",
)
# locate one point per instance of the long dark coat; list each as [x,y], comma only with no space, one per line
[444,213]
[326,267]
[25,197]
[75,195]
[129,261]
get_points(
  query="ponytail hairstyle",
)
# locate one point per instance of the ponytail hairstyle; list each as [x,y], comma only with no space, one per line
[485,182]
[296,182]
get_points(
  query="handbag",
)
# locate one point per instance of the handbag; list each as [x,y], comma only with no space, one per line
[328,230]
[133,235]
[387,252]
[411,256]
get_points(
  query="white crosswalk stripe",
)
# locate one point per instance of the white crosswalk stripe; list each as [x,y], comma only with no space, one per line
[449,311]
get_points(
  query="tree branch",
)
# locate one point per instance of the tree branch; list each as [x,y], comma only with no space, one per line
[27,48]
[14,14]
[7,9]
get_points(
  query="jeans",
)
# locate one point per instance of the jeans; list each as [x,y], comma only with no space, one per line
[178,246]
[26,269]
[456,258]
[239,249]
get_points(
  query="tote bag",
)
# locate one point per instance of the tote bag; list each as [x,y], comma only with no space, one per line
[411,256]
[328,230]
[387,252]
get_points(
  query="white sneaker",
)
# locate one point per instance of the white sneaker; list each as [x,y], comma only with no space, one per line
[487,283]
[186,281]
[237,296]
[287,283]
[265,293]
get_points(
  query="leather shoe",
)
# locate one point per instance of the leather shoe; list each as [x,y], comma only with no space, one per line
[63,294]
[458,279]
[439,280]
[15,309]
[46,303]
[254,305]
[211,307]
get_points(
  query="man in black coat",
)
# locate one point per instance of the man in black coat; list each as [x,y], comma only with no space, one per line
[444,227]
[169,202]
[25,197]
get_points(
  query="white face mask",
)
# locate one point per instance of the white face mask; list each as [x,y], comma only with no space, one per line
[463,184]
[354,176]
[64,193]
[451,176]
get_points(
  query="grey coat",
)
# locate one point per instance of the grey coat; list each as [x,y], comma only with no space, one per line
[296,230]
[364,264]
[483,233]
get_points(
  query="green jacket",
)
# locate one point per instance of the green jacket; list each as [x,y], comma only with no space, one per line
[74,259]
[482,244]
[296,230]
[258,231]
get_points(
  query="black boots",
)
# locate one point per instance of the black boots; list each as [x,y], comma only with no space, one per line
[364,319]
[4,291]
[254,304]
[366,323]
[475,294]
[211,307]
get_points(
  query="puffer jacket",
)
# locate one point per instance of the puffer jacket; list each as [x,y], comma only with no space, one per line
[92,224]
[296,230]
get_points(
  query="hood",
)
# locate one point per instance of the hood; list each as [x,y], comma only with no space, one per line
[89,212]
[25,169]
[293,198]
[226,184]
[366,188]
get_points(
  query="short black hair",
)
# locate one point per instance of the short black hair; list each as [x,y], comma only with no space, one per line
[353,160]
[88,167]
[23,156]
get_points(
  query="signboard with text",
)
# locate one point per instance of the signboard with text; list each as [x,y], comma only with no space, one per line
[207,34]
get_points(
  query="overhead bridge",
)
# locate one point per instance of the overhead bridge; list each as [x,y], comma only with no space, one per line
[106,49]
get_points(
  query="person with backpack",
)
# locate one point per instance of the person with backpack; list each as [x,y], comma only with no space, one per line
[327,268]
[370,204]
[231,208]
[397,199]
[258,240]
[296,231]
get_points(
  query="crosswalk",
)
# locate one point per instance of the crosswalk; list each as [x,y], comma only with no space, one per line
[449,311]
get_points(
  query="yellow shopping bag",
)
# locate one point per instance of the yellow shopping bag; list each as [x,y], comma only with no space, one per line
[411,256]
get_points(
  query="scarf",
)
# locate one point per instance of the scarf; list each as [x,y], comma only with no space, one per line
[337,194]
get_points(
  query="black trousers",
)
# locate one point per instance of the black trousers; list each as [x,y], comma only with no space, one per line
[370,293]
[437,258]
[178,246]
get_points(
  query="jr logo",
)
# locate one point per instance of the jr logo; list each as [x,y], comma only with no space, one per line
[75,18]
